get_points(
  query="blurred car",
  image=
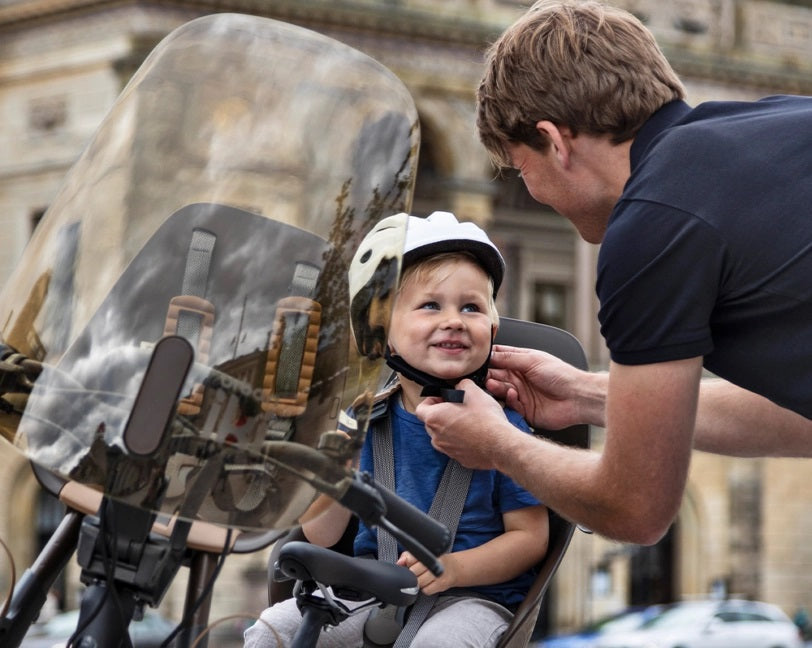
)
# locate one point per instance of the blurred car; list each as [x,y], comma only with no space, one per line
[711,624]
[628,619]
[150,632]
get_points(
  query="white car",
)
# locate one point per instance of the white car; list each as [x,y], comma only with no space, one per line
[149,632]
[711,624]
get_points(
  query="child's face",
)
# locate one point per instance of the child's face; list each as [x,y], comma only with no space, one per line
[440,322]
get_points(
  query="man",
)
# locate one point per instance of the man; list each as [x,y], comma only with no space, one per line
[705,221]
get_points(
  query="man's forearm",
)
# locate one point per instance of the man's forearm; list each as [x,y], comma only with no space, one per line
[734,421]
[730,420]
[632,489]
[568,480]
[592,398]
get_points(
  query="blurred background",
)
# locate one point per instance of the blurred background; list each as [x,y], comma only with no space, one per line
[745,527]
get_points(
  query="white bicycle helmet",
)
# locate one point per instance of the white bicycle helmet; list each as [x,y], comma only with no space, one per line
[442,232]
[377,264]
[372,287]
[373,278]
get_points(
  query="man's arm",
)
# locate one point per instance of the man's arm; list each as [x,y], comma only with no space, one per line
[653,414]
[631,491]
[552,394]
[737,422]
[521,546]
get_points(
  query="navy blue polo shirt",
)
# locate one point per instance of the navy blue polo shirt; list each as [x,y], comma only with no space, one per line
[708,252]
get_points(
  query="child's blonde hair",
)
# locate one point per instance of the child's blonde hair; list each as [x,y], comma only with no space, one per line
[424,268]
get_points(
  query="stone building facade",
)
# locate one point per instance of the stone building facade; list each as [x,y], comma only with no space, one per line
[745,525]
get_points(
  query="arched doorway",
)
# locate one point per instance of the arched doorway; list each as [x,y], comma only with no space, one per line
[651,571]
[430,190]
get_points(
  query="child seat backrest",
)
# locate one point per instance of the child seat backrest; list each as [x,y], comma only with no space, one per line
[561,344]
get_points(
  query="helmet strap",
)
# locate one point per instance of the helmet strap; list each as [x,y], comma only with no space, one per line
[434,386]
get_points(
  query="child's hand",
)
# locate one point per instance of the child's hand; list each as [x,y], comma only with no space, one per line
[428,582]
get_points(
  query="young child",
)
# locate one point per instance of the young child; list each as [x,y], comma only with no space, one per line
[442,328]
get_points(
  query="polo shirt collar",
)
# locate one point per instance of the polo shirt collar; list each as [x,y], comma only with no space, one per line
[662,119]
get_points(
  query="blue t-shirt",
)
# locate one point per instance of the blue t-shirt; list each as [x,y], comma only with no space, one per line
[708,252]
[418,470]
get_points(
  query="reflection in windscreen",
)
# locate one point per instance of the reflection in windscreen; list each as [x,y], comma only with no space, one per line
[221,201]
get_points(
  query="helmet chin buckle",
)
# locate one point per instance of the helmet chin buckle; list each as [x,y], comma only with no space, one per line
[433,386]
[449,395]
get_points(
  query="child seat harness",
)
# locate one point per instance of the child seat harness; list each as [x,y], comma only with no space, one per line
[446,507]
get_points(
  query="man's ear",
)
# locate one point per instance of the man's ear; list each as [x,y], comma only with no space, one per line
[559,138]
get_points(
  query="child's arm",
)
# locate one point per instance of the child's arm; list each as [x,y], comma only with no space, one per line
[521,546]
[325,521]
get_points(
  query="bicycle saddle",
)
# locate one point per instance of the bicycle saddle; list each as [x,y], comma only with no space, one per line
[350,577]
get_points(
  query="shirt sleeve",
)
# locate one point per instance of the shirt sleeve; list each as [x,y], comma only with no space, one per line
[659,273]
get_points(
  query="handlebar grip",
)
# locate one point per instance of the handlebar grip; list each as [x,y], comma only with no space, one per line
[432,534]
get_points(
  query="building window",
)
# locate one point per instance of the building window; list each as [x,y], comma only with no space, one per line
[47,114]
[430,190]
[550,304]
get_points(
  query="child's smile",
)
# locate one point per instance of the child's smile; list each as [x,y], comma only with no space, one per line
[441,325]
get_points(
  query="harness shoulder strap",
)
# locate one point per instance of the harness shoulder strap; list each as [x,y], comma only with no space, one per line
[446,507]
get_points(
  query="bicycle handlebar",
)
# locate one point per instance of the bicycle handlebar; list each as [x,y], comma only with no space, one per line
[420,534]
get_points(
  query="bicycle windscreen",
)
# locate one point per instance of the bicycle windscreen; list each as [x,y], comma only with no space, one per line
[220,203]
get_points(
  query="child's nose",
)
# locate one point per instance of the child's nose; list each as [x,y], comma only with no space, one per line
[452,320]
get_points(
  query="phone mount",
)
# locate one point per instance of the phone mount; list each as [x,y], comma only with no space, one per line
[124,564]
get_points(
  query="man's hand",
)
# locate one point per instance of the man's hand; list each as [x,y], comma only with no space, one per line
[548,392]
[466,431]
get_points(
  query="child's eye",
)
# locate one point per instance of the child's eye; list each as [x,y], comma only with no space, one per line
[470,308]
[431,305]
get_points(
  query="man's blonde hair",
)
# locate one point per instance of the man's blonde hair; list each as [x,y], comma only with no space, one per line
[423,269]
[577,63]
